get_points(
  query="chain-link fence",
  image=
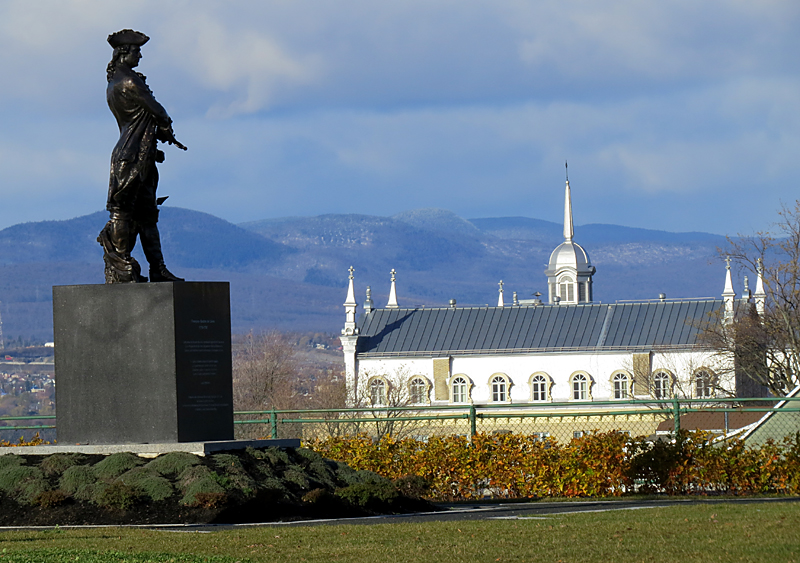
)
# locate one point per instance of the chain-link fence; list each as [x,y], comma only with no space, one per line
[754,420]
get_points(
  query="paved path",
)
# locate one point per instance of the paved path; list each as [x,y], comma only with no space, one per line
[458,512]
[502,511]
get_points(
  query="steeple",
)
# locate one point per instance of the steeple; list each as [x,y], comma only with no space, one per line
[392,304]
[350,307]
[569,272]
[349,340]
[569,232]
[760,296]
[728,295]
[500,300]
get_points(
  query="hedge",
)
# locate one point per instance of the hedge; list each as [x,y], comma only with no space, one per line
[595,465]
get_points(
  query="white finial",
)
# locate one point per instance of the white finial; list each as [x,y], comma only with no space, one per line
[500,300]
[760,295]
[392,304]
[351,294]
[350,307]
[728,295]
[514,298]
[568,230]
[368,301]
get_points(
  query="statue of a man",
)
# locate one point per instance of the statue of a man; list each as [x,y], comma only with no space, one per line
[132,200]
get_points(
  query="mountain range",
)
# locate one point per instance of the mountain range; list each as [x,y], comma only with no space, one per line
[291,273]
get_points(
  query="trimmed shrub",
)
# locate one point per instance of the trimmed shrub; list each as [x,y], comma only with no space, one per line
[173,463]
[50,499]
[412,486]
[23,483]
[56,464]
[296,475]
[11,460]
[307,454]
[149,482]
[115,465]
[117,495]
[78,481]
[276,456]
[320,473]
[369,495]
[237,477]
[201,487]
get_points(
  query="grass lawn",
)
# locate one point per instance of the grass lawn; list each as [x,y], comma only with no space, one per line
[736,532]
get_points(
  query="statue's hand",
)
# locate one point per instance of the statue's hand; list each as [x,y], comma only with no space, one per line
[167,135]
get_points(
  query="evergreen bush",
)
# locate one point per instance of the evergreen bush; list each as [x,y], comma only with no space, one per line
[173,463]
[57,463]
[115,465]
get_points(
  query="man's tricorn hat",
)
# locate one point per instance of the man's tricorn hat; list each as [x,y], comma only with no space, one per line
[127,37]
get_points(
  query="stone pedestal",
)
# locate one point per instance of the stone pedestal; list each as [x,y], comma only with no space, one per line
[143,363]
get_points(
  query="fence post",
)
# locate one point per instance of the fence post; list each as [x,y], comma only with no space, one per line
[473,428]
[273,424]
[676,415]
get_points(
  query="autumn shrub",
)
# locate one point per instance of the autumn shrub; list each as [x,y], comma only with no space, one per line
[210,500]
[595,465]
[34,441]
[51,499]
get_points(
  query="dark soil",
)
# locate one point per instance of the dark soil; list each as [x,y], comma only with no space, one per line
[234,487]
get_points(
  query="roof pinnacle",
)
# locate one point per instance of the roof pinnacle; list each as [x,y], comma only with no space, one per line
[568,229]
[392,304]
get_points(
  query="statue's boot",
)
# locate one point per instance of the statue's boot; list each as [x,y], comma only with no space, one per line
[117,239]
[151,245]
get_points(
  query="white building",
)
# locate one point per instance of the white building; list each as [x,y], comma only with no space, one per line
[569,349]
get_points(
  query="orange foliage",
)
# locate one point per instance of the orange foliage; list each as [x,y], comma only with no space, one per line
[595,465]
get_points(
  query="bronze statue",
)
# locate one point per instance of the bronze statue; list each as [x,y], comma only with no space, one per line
[132,201]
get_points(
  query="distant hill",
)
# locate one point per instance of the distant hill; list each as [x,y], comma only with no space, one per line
[290,273]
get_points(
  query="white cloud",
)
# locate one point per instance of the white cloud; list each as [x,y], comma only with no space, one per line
[250,64]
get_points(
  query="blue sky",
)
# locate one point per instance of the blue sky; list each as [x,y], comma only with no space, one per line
[680,115]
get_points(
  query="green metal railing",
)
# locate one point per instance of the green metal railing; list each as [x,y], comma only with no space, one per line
[528,417]
[673,408]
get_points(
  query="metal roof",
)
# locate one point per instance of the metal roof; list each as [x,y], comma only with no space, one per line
[543,328]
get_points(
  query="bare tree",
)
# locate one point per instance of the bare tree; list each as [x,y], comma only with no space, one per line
[765,346]
[384,397]
[265,372]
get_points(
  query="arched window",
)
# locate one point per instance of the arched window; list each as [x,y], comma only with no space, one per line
[460,390]
[580,387]
[566,289]
[662,385]
[621,383]
[377,392]
[539,385]
[418,390]
[499,386]
[703,384]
